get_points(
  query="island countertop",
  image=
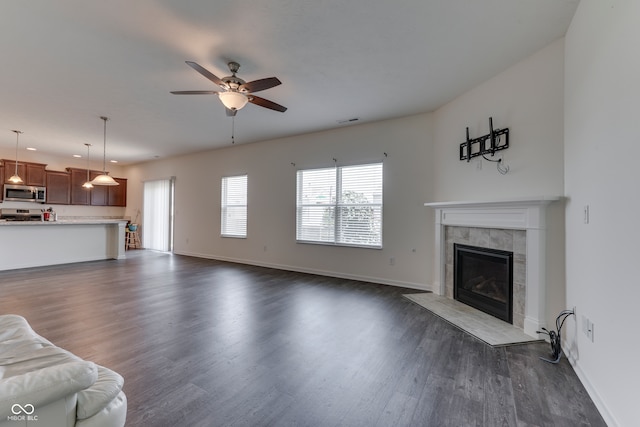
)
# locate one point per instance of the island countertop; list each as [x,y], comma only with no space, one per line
[77,221]
[27,244]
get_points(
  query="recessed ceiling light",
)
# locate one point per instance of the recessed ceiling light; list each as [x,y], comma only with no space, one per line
[32,149]
[77,156]
[113,161]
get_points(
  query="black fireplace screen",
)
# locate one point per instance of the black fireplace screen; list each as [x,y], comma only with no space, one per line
[483,279]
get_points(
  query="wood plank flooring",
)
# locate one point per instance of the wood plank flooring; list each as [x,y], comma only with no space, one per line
[206,343]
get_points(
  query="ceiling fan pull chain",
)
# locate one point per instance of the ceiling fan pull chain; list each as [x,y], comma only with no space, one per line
[233,129]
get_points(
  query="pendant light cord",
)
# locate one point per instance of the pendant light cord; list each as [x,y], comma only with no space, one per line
[88,163]
[17,137]
[104,146]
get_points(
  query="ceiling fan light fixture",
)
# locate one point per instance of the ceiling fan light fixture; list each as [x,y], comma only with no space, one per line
[233,100]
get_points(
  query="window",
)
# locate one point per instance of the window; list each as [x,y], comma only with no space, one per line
[340,205]
[234,206]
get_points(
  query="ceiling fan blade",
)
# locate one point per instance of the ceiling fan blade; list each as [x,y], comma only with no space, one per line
[231,112]
[266,103]
[194,92]
[208,74]
[262,84]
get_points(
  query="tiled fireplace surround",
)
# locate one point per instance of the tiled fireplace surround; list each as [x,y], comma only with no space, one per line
[518,226]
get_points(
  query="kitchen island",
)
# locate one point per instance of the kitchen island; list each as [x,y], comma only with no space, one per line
[34,243]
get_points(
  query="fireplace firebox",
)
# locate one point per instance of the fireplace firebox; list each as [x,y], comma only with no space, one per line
[483,279]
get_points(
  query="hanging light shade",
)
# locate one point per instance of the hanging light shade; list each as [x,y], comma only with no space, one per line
[15,178]
[104,179]
[88,185]
[233,100]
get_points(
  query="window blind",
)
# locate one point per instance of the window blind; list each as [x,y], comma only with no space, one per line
[340,205]
[157,215]
[234,206]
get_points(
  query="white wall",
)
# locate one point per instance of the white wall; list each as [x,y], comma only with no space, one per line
[422,166]
[407,233]
[602,148]
[528,99]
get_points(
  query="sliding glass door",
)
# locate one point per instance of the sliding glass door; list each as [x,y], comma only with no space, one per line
[158,215]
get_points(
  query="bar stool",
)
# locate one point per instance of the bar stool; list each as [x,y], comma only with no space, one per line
[132,238]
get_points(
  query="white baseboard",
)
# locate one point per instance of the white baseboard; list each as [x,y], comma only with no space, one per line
[593,393]
[328,273]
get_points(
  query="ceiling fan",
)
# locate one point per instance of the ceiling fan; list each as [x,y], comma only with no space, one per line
[235,92]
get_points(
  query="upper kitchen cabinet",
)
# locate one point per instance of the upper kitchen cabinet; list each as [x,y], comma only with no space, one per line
[117,195]
[58,187]
[98,195]
[79,195]
[36,174]
[10,167]
[31,173]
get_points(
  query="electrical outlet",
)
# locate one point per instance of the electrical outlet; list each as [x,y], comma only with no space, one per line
[392,261]
[587,328]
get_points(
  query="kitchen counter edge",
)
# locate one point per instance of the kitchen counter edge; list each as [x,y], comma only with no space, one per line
[64,222]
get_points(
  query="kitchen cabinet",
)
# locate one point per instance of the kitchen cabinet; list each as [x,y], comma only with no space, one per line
[78,194]
[10,168]
[117,195]
[58,187]
[1,180]
[31,173]
[99,193]
[36,174]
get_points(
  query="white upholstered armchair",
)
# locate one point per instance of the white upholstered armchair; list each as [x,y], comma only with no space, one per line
[44,385]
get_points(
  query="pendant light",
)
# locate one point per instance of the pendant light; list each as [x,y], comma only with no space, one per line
[104,179]
[15,179]
[88,185]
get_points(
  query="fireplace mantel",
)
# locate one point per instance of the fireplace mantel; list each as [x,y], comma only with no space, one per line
[527,214]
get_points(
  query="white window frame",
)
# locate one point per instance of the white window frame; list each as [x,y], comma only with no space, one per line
[230,201]
[320,201]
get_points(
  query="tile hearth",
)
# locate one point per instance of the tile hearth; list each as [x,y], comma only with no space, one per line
[483,326]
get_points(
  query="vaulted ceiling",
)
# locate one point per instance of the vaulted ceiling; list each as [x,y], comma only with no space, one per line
[68,62]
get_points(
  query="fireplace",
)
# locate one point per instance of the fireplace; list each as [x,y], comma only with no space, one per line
[524,216]
[483,279]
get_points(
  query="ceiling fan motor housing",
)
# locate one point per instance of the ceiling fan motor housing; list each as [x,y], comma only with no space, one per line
[233,82]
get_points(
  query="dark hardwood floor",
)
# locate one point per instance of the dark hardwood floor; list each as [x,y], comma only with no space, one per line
[207,343]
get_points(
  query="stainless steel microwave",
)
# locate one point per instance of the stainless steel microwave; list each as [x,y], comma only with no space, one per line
[24,193]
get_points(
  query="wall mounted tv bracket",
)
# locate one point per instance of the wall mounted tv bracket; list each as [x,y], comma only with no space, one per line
[487,144]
